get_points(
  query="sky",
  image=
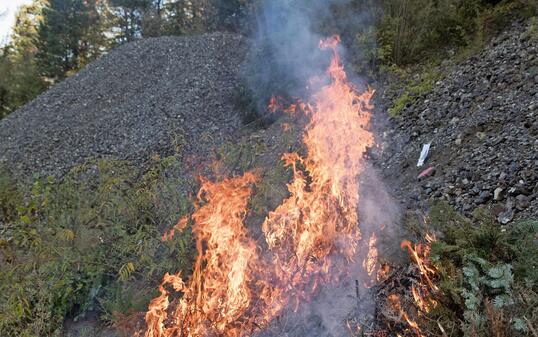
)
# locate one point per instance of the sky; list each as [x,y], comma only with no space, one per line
[8,8]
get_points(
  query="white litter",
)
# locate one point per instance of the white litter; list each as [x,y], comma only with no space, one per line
[424,154]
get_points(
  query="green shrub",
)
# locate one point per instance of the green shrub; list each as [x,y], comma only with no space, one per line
[271,190]
[414,89]
[532,30]
[84,243]
[419,31]
[412,30]
[494,19]
[10,197]
[487,274]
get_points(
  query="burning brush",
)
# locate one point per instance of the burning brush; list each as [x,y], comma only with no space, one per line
[236,289]
[407,294]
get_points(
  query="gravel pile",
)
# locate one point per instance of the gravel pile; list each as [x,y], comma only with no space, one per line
[152,96]
[482,122]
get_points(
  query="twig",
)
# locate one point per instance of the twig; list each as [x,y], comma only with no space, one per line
[357,292]
[531,328]
[442,330]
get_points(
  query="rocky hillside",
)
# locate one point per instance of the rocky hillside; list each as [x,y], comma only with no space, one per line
[481,118]
[152,96]
[163,95]
[175,97]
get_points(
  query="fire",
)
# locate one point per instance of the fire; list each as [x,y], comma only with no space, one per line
[420,255]
[220,290]
[383,272]
[320,218]
[274,105]
[234,290]
[422,290]
[180,226]
[422,298]
[370,263]
[395,301]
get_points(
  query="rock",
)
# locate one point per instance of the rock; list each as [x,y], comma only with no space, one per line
[481,115]
[497,209]
[506,216]
[522,202]
[497,194]
[483,197]
[481,135]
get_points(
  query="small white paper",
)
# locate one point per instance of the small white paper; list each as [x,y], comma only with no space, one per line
[424,154]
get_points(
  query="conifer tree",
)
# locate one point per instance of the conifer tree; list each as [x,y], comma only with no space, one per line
[66,39]
[20,80]
[129,16]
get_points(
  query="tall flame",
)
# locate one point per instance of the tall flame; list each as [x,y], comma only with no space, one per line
[420,255]
[218,293]
[320,217]
[234,290]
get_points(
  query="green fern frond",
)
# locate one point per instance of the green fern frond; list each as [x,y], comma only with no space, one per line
[125,271]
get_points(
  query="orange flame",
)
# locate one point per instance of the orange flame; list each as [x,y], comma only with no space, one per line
[274,105]
[395,301]
[180,226]
[422,298]
[370,263]
[219,291]
[233,291]
[320,217]
[423,263]
[423,290]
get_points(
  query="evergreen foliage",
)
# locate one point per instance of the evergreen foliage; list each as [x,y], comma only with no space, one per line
[65,38]
[20,80]
[487,274]
[53,39]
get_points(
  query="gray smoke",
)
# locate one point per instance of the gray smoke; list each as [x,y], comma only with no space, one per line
[285,51]
[285,55]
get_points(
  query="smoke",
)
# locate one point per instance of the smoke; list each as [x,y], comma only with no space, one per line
[284,57]
[347,308]
[285,54]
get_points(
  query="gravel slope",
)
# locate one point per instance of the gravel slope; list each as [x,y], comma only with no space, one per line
[143,98]
[482,121]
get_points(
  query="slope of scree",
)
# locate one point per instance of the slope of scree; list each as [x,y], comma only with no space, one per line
[482,121]
[143,98]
